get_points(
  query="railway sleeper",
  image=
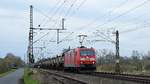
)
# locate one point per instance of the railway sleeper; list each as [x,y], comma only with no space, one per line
[61,80]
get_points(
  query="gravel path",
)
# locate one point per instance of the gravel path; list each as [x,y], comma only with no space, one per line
[13,78]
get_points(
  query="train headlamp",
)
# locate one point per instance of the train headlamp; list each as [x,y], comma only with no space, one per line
[92,59]
[82,59]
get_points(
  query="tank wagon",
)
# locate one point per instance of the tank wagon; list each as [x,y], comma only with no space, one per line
[75,59]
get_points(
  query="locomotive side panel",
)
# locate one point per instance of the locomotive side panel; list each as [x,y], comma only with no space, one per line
[73,58]
[77,57]
[69,59]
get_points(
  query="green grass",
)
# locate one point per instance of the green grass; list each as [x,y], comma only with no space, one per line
[8,72]
[28,77]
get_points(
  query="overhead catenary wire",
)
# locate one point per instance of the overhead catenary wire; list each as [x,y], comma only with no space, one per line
[55,12]
[135,19]
[44,19]
[48,17]
[104,35]
[109,39]
[104,38]
[48,32]
[134,29]
[109,12]
[129,31]
[67,12]
[77,8]
[130,10]
[38,10]
[69,9]
[135,22]
[126,12]
[43,15]
[119,6]
[51,18]
[71,6]
[66,37]
[81,4]
[41,37]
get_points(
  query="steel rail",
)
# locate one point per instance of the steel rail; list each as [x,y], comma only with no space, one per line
[127,77]
[66,77]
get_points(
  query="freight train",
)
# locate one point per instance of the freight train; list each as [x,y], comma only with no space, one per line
[81,58]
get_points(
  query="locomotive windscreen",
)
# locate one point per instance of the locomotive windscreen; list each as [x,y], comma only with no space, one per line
[87,53]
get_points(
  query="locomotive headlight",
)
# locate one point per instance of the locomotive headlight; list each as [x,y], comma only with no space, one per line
[92,59]
[93,62]
[82,58]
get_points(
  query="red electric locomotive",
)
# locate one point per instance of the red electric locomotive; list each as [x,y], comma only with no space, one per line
[80,58]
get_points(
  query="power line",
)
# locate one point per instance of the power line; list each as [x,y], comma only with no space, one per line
[105,38]
[134,29]
[46,16]
[130,30]
[27,2]
[66,37]
[71,6]
[119,6]
[50,18]
[77,8]
[55,12]
[41,37]
[39,11]
[92,22]
[81,4]
[67,12]
[128,11]
[136,18]
[44,19]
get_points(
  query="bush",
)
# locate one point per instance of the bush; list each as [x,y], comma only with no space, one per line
[4,67]
[147,67]
[9,62]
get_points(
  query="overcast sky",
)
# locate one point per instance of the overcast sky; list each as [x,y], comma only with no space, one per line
[81,17]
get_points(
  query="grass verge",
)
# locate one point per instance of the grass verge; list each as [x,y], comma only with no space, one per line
[28,77]
[8,72]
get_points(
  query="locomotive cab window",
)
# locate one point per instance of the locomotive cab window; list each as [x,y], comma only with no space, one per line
[87,52]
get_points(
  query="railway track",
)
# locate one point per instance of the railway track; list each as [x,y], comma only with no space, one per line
[93,77]
[65,79]
[127,77]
